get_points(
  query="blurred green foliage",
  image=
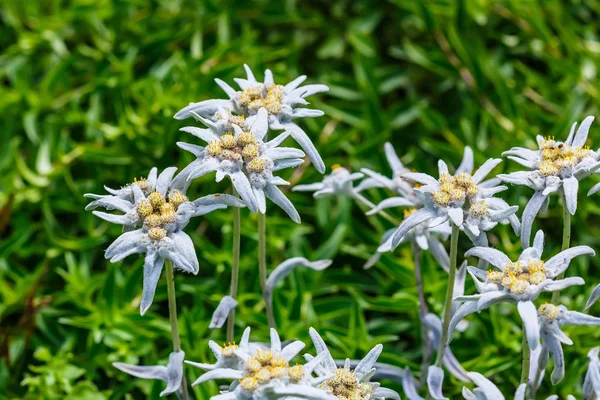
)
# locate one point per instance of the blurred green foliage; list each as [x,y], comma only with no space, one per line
[88,89]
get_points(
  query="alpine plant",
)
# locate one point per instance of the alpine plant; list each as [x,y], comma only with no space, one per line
[465,200]
[155,212]
[240,151]
[554,167]
[519,282]
[283,103]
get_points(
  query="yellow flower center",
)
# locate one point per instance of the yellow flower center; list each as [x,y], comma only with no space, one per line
[455,188]
[549,311]
[557,156]
[157,233]
[345,386]
[142,183]
[255,98]
[480,208]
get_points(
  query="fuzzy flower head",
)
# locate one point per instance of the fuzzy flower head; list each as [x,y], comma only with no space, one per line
[554,166]
[338,183]
[462,198]
[344,383]
[519,282]
[281,102]
[263,373]
[153,220]
[551,319]
[242,155]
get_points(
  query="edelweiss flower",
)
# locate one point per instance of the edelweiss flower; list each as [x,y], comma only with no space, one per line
[172,374]
[159,212]
[243,156]
[263,373]
[346,384]
[425,235]
[551,319]
[339,182]
[518,282]
[463,199]
[280,101]
[555,166]
[591,383]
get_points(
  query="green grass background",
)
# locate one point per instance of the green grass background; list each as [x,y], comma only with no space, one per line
[88,89]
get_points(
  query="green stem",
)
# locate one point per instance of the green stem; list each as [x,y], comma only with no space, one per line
[449,295]
[235,270]
[262,265]
[426,358]
[566,240]
[526,359]
[173,319]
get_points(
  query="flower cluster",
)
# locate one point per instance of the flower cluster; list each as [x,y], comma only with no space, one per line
[238,150]
[555,166]
[155,212]
[267,372]
[279,101]
[520,282]
[464,199]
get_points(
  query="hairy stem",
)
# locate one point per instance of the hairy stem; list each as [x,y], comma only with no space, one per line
[526,359]
[426,358]
[262,265]
[449,295]
[566,240]
[235,270]
[173,319]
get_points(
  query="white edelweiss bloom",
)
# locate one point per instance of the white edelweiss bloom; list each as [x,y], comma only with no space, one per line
[263,373]
[591,383]
[463,199]
[153,220]
[339,183]
[552,318]
[425,234]
[172,374]
[280,101]
[519,282]
[243,156]
[344,383]
[555,166]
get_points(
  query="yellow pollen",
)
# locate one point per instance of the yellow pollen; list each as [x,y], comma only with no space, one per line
[156,199]
[519,286]
[549,311]
[278,372]
[253,365]
[494,276]
[157,233]
[245,138]
[513,268]
[480,208]
[228,350]
[250,151]
[256,165]
[249,384]
[144,208]
[441,197]
[263,376]
[214,148]
[296,373]
[153,221]
[231,155]
[335,166]
[168,217]
[142,183]
[177,198]
[228,141]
